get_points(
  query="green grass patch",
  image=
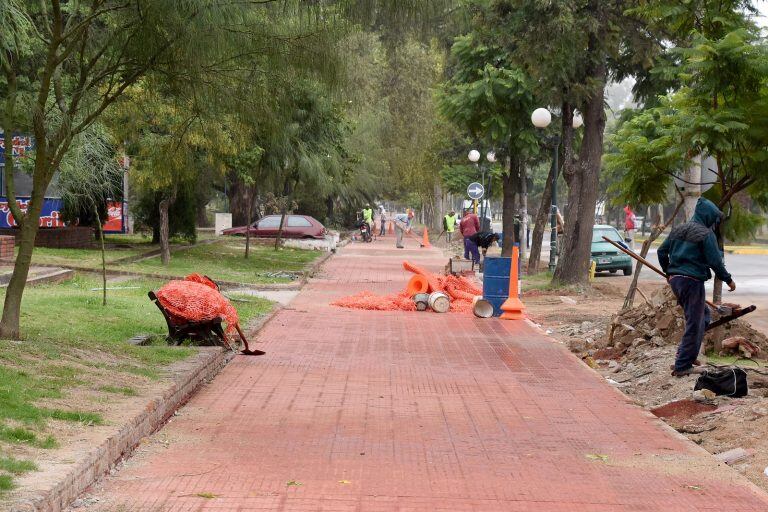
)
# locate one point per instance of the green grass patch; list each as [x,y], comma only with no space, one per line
[224,261]
[6,483]
[119,390]
[719,360]
[21,435]
[16,466]
[86,258]
[69,338]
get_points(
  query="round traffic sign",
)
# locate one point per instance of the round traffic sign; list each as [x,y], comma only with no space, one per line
[475,190]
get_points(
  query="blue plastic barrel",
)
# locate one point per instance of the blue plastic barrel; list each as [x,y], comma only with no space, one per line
[496,281]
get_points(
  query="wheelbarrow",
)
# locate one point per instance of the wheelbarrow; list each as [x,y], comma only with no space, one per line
[207,332]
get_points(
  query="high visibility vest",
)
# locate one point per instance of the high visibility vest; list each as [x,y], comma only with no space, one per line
[450,223]
[368,214]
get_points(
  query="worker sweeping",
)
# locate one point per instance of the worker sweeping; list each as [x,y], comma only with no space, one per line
[687,256]
[402,225]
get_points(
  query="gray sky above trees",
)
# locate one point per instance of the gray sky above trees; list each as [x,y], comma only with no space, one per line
[619,95]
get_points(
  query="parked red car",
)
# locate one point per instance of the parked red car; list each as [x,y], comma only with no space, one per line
[296,226]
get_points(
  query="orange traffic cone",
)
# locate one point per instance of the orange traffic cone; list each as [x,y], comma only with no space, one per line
[391,228]
[425,238]
[513,307]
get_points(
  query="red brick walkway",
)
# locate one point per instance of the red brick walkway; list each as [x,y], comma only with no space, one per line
[355,410]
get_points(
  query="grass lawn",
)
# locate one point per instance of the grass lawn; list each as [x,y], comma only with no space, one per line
[75,358]
[224,261]
[90,258]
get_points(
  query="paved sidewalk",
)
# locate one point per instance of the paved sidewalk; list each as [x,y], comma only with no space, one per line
[377,411]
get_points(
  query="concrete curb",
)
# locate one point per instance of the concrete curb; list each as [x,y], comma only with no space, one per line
[120,444]
[747,250]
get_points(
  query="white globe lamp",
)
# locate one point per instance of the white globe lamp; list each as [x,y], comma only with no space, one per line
[474,156]
[578,121]
[491,156]
[541,118]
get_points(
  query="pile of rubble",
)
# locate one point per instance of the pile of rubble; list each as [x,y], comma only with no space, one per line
[660,321]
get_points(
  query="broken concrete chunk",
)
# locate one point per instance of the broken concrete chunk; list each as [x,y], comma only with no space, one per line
[730,457]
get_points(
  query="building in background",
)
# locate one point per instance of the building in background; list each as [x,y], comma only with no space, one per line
[53,204]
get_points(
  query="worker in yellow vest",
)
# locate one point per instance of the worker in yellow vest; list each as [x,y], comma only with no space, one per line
[368,217]
[449,225]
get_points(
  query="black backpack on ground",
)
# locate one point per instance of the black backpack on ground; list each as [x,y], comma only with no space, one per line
[731,382]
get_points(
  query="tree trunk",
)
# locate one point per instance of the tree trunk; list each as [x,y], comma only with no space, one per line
[165,248]
[583,180]
[248,221]
[534,259]
[103,256]
[509,188]
[523,212]
[655,233]
[239,200]
[717,286]
[280,231]
[9,326]
[329,210]
[692,189]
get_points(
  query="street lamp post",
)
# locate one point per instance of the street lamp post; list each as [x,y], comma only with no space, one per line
[474,157]
[541,118]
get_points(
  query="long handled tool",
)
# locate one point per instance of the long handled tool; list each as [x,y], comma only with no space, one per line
[735,313]
[247,351]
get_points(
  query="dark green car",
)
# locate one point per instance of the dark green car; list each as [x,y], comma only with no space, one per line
[606,256]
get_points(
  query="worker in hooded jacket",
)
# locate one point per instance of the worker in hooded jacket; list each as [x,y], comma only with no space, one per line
[687,256]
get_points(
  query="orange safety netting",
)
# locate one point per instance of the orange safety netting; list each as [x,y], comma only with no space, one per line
[197,299]
[460,289]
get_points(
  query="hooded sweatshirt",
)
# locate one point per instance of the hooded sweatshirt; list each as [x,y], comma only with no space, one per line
[691,248]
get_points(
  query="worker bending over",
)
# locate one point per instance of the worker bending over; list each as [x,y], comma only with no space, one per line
[484,239]
[687,256]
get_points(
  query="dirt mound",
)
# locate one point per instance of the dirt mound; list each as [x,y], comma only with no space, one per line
[660,322]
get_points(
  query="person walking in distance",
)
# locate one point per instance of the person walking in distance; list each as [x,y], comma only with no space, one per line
[470,225]
[630,225]
[382,221]
[686,256]
[449,225]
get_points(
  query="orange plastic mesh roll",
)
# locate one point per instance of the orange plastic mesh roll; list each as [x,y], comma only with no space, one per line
[460,289]
[417,284]
[197,299]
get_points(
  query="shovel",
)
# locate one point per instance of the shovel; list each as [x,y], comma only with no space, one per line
[247,351]
[728,312]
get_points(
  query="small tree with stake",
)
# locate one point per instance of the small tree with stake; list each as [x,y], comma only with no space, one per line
[89,176]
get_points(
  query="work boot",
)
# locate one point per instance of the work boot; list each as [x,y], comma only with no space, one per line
[682,373]
[695,363]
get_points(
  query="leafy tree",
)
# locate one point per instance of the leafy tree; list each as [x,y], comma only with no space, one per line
[570,48]
[491,98]
[64,63]
[90,176]
[719,110]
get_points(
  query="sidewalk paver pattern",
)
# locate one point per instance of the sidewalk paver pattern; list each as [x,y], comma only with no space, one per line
[377,411]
